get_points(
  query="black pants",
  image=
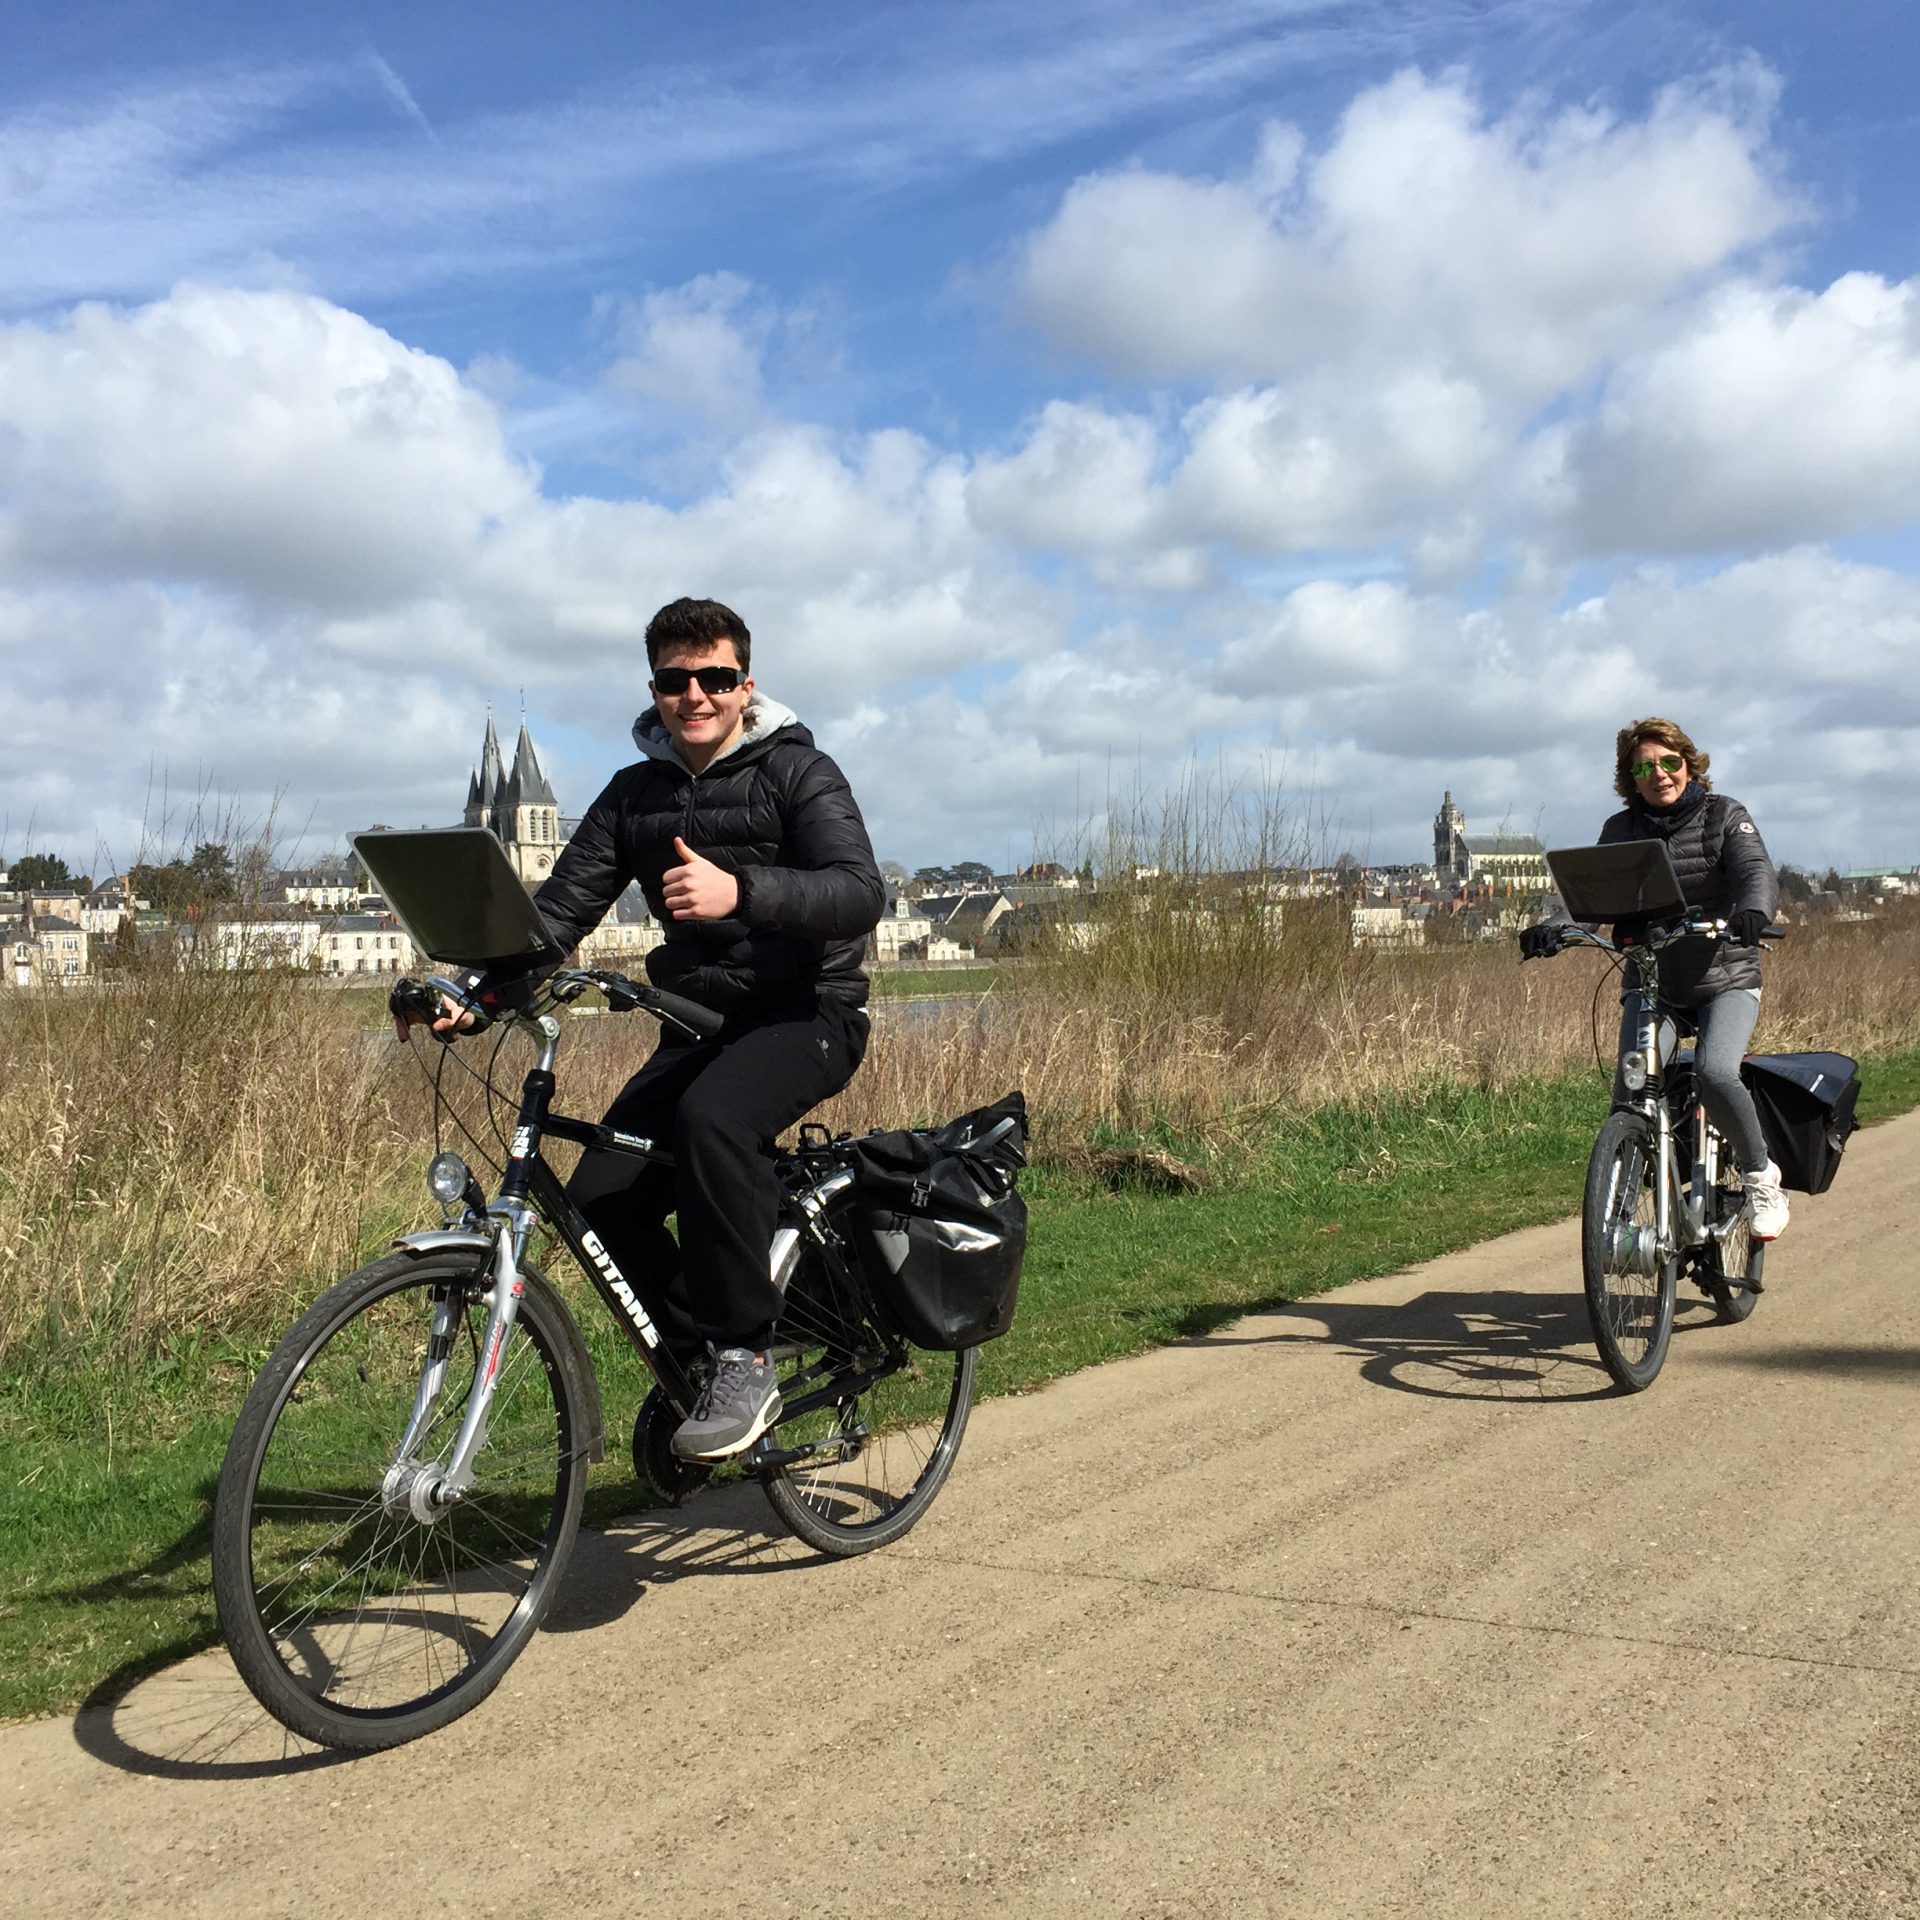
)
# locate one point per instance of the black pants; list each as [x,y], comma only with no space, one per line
[718,1104]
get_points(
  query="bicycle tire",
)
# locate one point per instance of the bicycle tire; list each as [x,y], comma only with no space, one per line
[1729,1270]
[354,1623]
[1629,1301]
[890,1443]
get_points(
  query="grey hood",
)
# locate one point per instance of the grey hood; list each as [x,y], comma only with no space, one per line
[764,719]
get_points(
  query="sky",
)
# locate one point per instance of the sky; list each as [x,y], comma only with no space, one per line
[1310,406]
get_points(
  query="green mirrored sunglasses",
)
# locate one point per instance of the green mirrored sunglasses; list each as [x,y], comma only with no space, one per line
[1667,763]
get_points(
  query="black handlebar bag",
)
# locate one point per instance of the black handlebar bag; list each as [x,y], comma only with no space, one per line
[941,1229]
[1806,1103]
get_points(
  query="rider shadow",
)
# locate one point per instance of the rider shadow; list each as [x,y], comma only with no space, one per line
[724,1529]
[1893,1364]
[1502,1345]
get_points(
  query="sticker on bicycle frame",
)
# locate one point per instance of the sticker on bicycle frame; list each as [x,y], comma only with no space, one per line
[629,1303]
[633,1140]
[522,1143]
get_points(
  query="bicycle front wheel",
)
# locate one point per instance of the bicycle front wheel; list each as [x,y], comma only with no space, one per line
[363,1614]
[1729,1268]
[877,1424]
[1630,1286]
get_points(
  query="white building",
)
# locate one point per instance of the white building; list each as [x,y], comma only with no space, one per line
[899,932]
[45,950]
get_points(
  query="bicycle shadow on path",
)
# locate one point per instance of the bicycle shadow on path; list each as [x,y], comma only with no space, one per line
[1497,1344]
[181,1712]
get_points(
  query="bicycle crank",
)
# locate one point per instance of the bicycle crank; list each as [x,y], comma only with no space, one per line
[842,1447]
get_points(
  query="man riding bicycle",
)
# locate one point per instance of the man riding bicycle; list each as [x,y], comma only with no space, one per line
[753,856]
[1725,874]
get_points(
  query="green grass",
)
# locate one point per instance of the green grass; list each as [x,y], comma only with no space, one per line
[889,983]
[106,1478]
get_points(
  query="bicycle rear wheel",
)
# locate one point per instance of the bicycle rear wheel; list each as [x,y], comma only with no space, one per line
[1729,1269]
[879,1422]
[1630,1288]
[359,1616]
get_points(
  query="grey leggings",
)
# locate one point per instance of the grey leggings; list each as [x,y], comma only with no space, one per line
[1726,1024]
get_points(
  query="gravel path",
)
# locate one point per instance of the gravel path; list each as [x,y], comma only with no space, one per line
[1380,1605]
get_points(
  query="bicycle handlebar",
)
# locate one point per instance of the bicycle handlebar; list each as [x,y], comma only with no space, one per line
[1692,927]
[623,995]
[428,999]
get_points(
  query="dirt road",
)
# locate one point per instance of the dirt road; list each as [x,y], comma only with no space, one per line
[1382,1605]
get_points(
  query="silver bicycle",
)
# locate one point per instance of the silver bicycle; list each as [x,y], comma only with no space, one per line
[1664,1197]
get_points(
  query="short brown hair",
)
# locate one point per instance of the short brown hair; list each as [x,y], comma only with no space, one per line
[1670,737]
[697,625]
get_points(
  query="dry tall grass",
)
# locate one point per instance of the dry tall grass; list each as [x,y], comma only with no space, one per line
[199,1150]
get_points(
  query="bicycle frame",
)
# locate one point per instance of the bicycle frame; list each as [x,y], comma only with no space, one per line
[1681,1220]
[530,1190]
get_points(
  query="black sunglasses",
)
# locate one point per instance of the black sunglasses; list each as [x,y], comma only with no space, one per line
[676,680]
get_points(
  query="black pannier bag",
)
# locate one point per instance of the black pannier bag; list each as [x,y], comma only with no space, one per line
[940,1227]
[1806,1103]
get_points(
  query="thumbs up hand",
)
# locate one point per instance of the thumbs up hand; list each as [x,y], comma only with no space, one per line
[698,890]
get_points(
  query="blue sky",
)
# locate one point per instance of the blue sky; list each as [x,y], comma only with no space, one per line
[1079,400]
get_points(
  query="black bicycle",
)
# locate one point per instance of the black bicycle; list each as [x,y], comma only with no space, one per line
[404,1482]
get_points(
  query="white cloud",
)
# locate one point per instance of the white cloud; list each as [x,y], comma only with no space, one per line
[1780,415]
[1384,322]
[1518,252]
[269,442]
[1084,482]
[259,541]
[1290,471]
[695,350]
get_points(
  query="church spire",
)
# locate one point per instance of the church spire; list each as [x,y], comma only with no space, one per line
[530,785]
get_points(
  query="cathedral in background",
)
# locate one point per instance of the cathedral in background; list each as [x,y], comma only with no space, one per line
[518,807]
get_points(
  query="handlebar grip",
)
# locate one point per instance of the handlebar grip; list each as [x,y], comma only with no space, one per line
[699,1020]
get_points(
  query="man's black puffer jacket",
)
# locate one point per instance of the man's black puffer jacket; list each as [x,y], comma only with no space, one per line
[1723,866]
[774,811]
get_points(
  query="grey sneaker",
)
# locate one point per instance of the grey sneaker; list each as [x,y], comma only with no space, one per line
[735,1407]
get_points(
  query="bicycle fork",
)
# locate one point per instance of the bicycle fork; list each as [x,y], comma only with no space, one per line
[426,1489]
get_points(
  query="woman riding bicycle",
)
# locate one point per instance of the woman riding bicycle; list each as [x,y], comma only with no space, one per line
[1725,874]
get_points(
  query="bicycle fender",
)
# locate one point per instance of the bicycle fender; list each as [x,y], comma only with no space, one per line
[442,1239]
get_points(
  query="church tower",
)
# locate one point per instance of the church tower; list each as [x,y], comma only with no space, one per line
[483,787]
[1449,841]
[516,805]
[532,814]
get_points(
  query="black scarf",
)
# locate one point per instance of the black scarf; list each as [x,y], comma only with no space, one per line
[1662,823]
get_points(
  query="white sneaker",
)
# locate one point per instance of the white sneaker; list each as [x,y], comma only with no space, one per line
[1766,1204]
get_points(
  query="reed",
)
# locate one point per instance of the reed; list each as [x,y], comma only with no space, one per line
[191,1151]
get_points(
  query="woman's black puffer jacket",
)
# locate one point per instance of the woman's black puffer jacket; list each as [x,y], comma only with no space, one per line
[1723,866]
[774,811]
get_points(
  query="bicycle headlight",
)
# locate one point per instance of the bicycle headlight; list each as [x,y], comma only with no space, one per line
[1633,1070]
[447,1178]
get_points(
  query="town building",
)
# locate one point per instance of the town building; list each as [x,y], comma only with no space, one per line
[901,934]
[44,950]
[319,889]
[1512,863]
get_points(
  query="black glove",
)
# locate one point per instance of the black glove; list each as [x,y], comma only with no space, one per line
[1544,941]
[1745,927]
[414,1004]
